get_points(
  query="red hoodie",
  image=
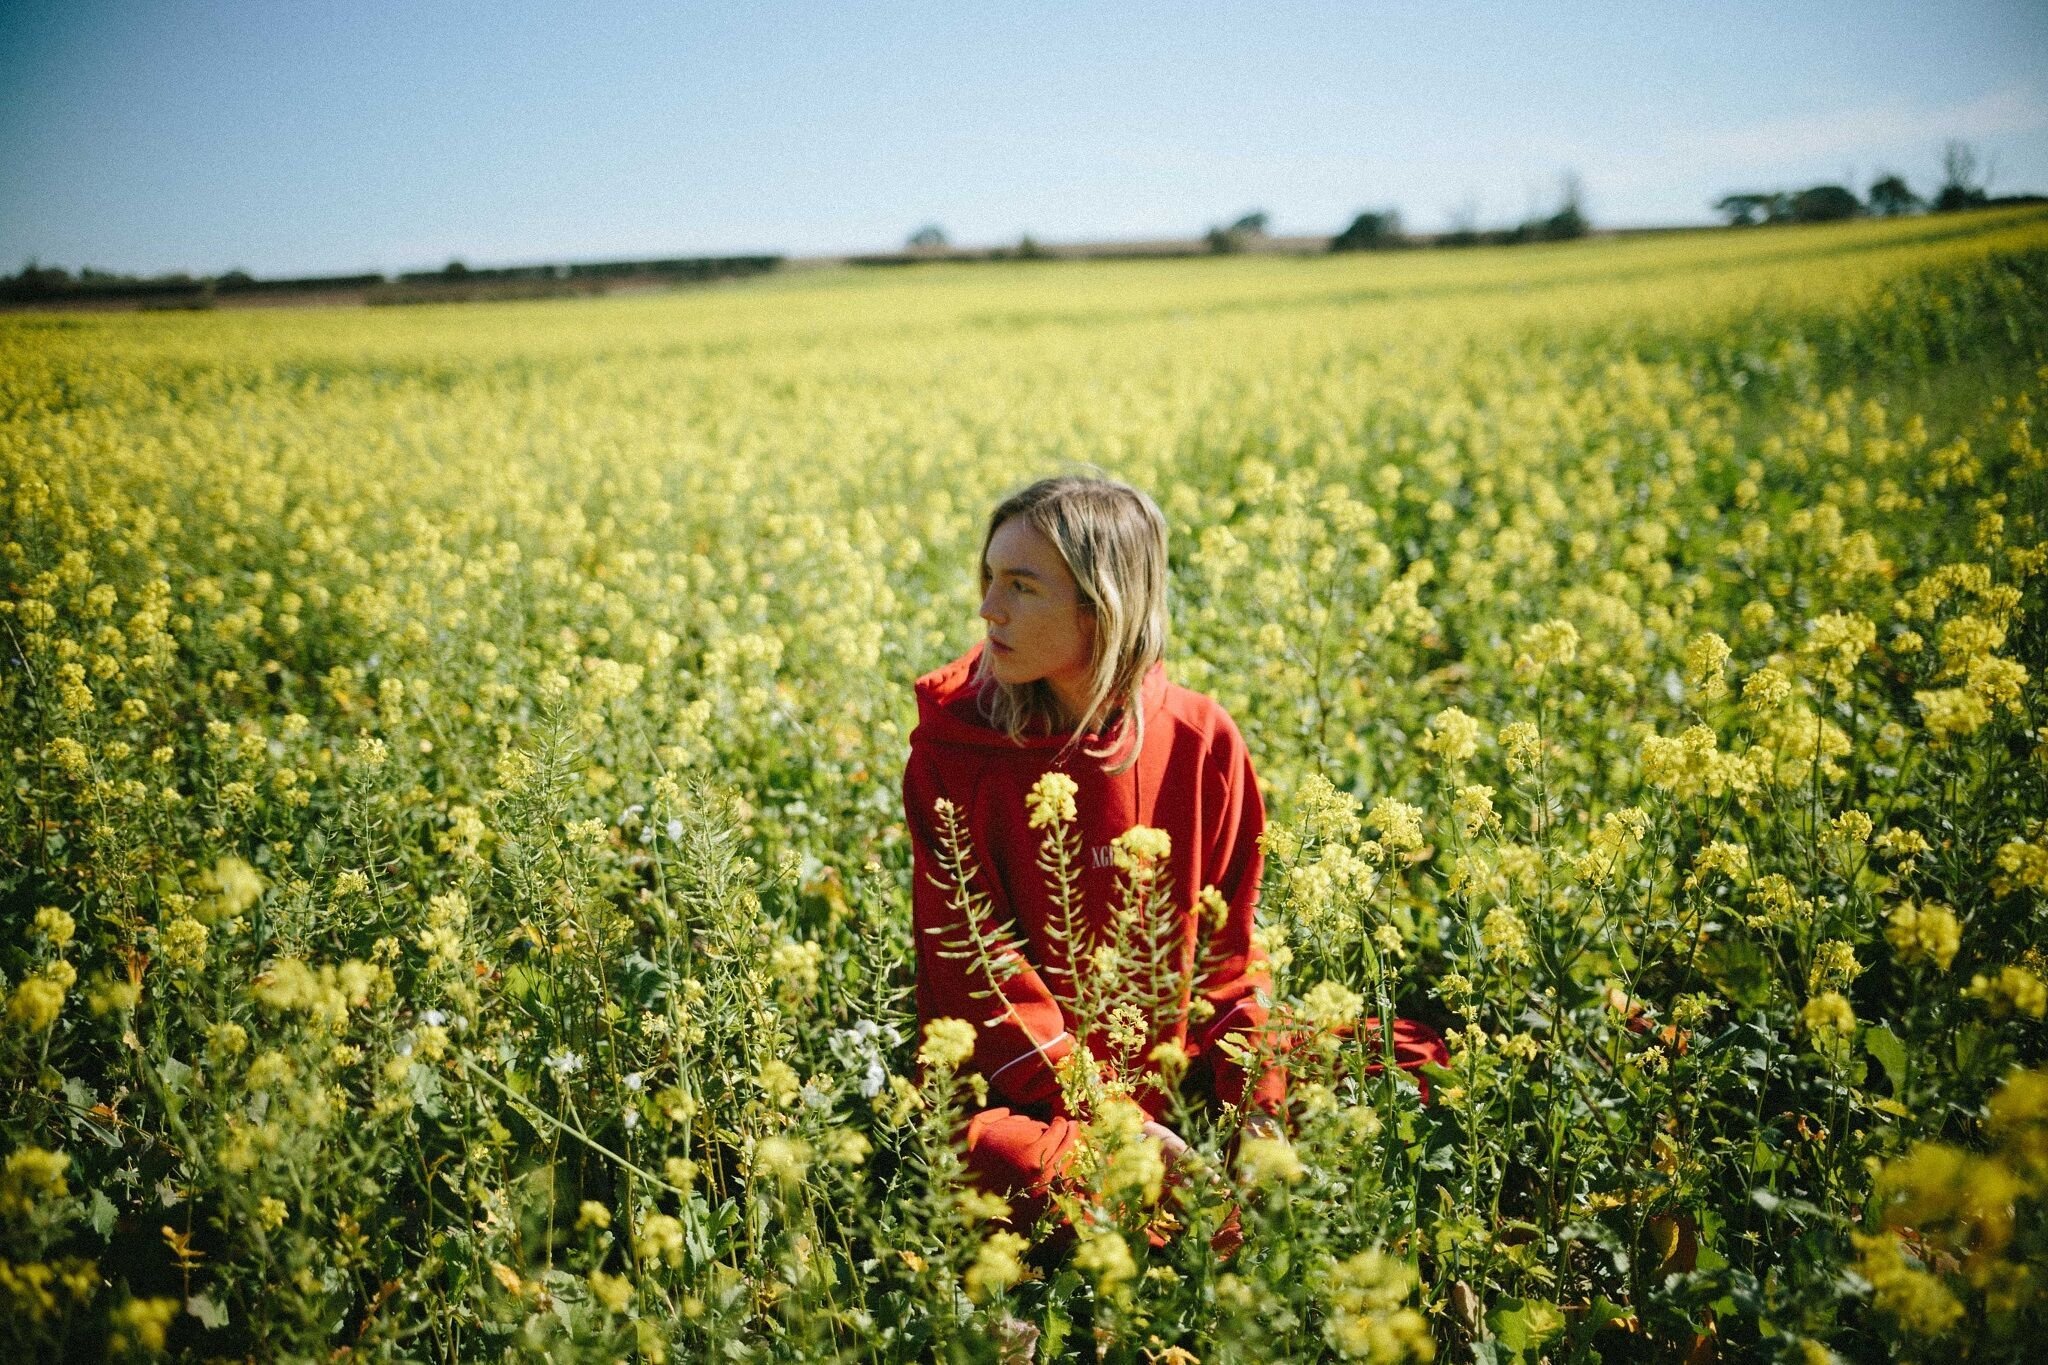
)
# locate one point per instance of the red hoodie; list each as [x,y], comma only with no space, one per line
[1192,779]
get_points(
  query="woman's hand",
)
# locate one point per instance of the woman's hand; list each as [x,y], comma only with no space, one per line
[1171,1144]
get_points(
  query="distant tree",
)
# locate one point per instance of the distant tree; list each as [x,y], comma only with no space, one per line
[455,270]
[1964,179]
[1752,207]
[1370,232]
[930,237]
[1029,249]
[1825,204]
[37,280]
[1570,219]
[236,278]
[1239,235]
[1892,197]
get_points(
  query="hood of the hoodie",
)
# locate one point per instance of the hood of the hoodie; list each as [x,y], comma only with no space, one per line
[949,707]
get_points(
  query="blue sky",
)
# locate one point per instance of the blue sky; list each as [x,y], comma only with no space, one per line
[294,136]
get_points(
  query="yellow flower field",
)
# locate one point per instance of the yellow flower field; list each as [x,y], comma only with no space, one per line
[454,900]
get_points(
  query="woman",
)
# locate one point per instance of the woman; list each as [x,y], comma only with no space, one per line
[1069,680]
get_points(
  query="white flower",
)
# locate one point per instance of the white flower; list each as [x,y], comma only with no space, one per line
[675,831]
[634,1080]
[433,1018]
[565,1063]
[859,1047]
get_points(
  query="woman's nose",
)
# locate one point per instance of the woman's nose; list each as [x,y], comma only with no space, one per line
[990,612]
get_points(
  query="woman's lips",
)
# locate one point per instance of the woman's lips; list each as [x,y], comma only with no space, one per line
[997,645]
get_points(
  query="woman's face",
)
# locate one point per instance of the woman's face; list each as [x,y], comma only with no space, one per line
[1037,625]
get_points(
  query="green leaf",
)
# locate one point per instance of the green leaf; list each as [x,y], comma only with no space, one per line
[1884,1045]
[209,1313]
[102,1213]
[1604,1311]
[1525,1324]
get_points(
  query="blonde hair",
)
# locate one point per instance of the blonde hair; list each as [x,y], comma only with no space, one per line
[1113,539]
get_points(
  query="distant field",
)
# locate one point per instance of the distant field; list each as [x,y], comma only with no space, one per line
[453,888]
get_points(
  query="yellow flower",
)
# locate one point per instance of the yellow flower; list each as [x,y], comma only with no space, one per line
[1266,1161]
[1367,1317]
[998,1264]
[2025,863]
[1452,736]
[1834,964]
[232,887]
[660,1239]
[1927,932]
[1398,824]
[1765,690]
[947,1044]
[779,1081]
[1997,682]
[182,944]
[1141,848]
[844,1147]
[614,1292]
[591,1214]
[1966,639]
[141,1325]
[2017,1118]
[69,756]
[1504,934]
[1521,1046]
[795,966]
[1717,858]
[31,1174]
[54,927]
[1522,744]
[2014,990]
[1106,1259]
[1705,658]
[1330,1003]
[783,1160]
[1473,808]
[1136,1166]
[1838,641]
[1051,800]
[1828,1018]
[35,1004]
[1555,641]
[1919,1302]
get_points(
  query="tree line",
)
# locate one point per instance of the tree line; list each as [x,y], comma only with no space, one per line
[1966,184]
[37,283]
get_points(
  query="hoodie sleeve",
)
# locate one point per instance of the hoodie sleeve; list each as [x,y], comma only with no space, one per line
[1231,974]
[1020,1029]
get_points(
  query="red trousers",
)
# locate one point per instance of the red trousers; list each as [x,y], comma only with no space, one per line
[1018,1154]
